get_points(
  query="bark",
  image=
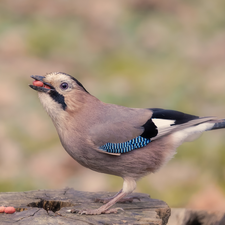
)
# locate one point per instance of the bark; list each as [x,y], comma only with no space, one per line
[49,207]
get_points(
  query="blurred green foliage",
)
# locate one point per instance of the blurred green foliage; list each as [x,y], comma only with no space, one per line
[136,53]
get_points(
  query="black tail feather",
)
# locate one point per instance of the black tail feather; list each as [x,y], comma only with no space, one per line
[219,125]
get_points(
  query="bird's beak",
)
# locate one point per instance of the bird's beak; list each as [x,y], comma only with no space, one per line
[40,85]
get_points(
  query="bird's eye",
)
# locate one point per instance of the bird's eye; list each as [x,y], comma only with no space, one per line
[64,86]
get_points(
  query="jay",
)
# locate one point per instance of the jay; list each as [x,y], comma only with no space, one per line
[112,139]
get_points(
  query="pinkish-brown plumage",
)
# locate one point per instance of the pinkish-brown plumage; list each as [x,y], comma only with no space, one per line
[114,139]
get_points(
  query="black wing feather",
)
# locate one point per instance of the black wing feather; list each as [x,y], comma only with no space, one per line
[179,117]
[150,129]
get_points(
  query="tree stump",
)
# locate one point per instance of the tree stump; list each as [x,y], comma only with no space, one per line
[195,217]
[49,207]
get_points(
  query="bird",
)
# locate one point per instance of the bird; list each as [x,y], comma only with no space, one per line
[113,139]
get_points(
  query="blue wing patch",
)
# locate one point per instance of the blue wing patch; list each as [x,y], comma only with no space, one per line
[138,142]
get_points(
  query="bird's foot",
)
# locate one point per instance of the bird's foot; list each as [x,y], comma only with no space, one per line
[105,209]
[122,200]
[94,211]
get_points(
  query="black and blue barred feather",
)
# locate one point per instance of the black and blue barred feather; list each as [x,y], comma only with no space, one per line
[136,143]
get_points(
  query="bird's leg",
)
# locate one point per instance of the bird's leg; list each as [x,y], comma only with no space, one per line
[129,185]
[122,200]
[105,208]
[106,200]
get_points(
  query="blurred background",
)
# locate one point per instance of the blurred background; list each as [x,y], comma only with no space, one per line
[136,53]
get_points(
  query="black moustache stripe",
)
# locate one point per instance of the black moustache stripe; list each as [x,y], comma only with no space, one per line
[58,98]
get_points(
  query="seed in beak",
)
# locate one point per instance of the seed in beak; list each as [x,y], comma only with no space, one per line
[40,84]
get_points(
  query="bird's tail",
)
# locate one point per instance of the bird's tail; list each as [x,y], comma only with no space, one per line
[219,125]
[193,129]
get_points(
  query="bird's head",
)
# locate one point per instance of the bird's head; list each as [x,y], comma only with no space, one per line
[59,93]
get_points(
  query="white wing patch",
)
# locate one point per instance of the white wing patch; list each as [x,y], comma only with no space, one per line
[163,126]
[162,123]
